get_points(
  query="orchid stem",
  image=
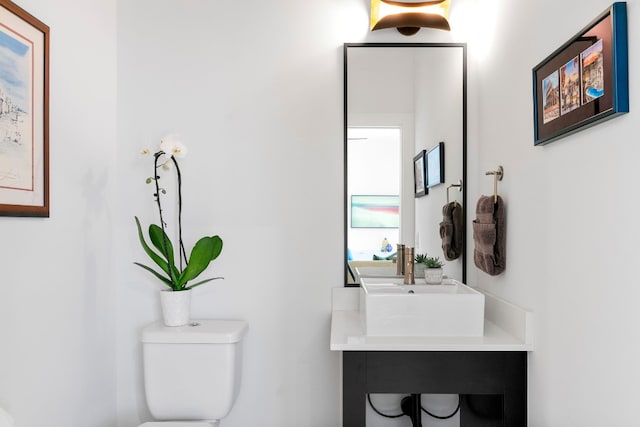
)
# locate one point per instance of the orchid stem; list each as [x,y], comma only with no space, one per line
[162,223]
[183,253]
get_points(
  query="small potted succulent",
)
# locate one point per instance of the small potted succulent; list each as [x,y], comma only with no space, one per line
[433,270]
[419,265]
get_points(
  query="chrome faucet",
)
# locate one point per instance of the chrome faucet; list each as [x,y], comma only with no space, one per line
[408,266]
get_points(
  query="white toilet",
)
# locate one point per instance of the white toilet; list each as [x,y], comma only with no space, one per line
[192,373]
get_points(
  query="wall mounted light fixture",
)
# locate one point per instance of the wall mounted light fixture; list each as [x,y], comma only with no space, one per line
[408,17]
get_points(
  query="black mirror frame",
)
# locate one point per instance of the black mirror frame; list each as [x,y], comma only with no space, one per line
[463,46]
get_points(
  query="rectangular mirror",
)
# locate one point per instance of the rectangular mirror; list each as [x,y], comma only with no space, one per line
[400,99]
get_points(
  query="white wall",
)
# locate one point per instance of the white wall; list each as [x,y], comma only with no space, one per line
[57,361]
[256,92]
[572,232]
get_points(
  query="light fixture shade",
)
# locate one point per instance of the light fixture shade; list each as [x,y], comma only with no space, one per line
[407,18]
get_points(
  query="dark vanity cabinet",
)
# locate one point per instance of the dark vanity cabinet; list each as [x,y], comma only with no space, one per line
[492,384]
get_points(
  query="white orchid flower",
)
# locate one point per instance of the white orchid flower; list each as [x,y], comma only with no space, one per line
[171,146]
[168,165]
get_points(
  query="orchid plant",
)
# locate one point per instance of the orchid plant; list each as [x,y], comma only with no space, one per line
[205,250]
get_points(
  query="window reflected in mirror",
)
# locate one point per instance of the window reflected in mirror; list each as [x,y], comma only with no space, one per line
[373,192]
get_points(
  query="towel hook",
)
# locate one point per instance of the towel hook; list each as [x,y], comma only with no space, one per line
[497,176]
[458,185]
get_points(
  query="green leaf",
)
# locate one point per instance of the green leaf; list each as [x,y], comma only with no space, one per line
[205,250]
[202,282]
[217,247]
[155,234]
[154,256]
[155,273]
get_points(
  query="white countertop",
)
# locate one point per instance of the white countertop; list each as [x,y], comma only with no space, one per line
[507,328]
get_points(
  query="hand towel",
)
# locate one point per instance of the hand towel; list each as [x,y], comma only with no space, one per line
[489,235]
[5,419]
[451,230]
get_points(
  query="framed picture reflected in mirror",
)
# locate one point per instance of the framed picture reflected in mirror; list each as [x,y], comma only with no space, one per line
[419,174]
[375,211]
[435,165]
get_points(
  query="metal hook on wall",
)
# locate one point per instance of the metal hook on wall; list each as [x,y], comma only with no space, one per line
[497,176]
[458,185]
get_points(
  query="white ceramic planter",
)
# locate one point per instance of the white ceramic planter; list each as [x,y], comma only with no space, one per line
[433,276]
[418,270]
[176,307]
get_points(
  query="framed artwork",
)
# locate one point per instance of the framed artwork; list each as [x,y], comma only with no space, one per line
[24,113]
[375,211]
[419,175]
[585,81]
[435,165]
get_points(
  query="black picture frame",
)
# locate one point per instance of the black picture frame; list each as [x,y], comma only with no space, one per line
[435,165]
[585,81]
[419,174]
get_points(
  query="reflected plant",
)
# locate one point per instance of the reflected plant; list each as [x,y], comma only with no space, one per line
[204,251]
[420,258]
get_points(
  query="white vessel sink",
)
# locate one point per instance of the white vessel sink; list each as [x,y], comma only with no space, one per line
[390,308]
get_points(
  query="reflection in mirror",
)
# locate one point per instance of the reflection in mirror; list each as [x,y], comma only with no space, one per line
[401,99]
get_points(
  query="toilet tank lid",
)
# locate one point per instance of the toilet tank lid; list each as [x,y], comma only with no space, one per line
[197,332]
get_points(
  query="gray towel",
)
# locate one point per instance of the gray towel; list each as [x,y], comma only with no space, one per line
[451,230]
[489,229]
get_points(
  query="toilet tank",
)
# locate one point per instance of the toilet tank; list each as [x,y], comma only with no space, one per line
[192,372]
